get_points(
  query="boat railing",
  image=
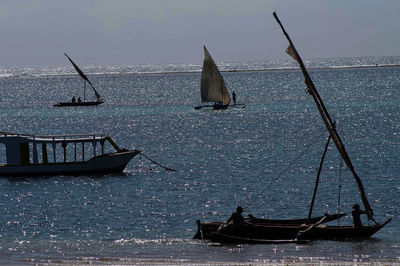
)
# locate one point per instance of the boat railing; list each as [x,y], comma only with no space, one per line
[57,138]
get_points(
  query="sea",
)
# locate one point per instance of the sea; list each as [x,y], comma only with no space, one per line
[264,157]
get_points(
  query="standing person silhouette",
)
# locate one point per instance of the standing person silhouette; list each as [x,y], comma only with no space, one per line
[356,215]
[234,97]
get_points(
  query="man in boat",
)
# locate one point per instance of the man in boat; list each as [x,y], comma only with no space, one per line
[73,99]
[79,99]
[356,215]
[234,97]
[237,219]
[235,224]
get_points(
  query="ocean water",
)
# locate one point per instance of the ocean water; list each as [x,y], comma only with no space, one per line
[223,158]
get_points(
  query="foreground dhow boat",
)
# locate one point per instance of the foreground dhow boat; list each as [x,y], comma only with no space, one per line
[213,88]
[205,230]
[28,155]
[295,230]
[78,102]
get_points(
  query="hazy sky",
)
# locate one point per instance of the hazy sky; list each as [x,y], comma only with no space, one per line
[38,32]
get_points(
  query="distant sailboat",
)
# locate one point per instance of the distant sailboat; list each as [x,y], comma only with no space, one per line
[73,102]
[213,88]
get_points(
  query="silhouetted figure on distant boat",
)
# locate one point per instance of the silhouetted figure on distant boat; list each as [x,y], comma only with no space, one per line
[73,99]
[356,215]
[234,97]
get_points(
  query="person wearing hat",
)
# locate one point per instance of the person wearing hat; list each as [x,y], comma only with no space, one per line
[237,219]
[356,215]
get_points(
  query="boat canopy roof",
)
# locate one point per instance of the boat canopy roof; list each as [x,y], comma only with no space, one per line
[6,137]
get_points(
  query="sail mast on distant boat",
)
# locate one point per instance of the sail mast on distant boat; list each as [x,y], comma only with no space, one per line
[84,102]
[83,76]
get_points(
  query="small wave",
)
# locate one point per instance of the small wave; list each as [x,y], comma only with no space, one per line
[138,241]
[164,241]
[116,261]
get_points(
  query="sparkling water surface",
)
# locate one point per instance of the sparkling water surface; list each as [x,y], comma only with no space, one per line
[224,158]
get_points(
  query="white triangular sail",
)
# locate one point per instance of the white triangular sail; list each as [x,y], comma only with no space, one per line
[213,87]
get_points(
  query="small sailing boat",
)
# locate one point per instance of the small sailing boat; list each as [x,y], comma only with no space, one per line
[254,232]
[213,88]
[78,102]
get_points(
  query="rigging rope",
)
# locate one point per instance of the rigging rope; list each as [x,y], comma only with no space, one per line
[284,170]
[340,187]
[156,163]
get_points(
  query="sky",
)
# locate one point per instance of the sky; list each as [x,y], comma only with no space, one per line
[131,32]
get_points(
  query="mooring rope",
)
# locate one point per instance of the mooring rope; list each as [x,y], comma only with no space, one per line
[156,163]
[284,170]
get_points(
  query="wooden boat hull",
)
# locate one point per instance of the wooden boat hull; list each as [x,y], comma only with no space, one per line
[329,218]
[252,231]
[73,104]
[221,107]
[290,232]
[206,228]
[329,232]
[228,239]
[102,164]
[238,105]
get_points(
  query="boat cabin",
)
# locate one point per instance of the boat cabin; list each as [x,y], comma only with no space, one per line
[21,149]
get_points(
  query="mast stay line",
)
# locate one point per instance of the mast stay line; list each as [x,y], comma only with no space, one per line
[327,119]
[284,170]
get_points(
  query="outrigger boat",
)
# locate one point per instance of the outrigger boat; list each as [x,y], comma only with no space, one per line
[213,88]
[28,155]
[78,102]
[254,232]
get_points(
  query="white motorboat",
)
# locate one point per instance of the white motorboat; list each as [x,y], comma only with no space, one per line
[27,155]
